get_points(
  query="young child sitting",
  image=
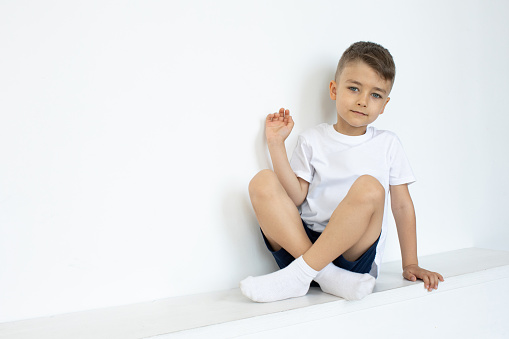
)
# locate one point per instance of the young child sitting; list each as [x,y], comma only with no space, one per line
[323,214]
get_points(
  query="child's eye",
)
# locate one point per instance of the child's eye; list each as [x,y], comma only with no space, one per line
[376,95]
[355,89]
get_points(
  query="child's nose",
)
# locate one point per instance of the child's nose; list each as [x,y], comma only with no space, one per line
[362,101]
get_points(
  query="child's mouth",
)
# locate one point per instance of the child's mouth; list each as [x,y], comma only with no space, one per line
[359,113]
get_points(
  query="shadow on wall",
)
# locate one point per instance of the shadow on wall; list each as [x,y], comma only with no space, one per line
[316,105]
[261,149]
[243,233]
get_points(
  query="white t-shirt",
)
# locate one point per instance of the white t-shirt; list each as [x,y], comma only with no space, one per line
[331,162]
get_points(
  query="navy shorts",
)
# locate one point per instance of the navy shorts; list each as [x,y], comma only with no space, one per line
[361,265]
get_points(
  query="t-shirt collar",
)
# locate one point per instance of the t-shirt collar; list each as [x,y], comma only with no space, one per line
[349,139]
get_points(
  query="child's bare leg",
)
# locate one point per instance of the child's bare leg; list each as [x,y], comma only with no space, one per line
[277,215]
[354,226]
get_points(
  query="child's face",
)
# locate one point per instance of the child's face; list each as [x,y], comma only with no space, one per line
[361,95]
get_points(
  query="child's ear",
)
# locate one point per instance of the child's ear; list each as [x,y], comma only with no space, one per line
[383,108]
[332,90]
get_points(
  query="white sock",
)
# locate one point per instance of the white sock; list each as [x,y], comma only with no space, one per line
[345,284]
[292,281]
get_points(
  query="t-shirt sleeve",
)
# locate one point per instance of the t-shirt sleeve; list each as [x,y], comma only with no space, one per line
[301,160]
[400,169]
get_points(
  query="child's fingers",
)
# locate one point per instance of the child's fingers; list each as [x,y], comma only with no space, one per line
[427,285]
[438,278]
[433,281]
[273,116]
[282,115]
[283,112]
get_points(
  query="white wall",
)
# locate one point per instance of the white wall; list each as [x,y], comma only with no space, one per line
[129,133]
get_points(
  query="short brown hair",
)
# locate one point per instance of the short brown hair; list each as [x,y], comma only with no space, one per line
[374,55]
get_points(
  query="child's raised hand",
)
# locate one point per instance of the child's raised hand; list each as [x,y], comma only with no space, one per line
[278,125]
[414,272]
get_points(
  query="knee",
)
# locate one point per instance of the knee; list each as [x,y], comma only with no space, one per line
[262,184]
[370,188]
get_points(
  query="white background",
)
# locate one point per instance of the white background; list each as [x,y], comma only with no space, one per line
[129,132]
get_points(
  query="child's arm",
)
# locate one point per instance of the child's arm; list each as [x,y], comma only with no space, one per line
[277,128]
[404,215]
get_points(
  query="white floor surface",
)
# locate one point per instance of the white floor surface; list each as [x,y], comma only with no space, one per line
[471,303]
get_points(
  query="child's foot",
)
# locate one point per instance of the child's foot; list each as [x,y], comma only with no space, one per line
[345,284]
[292,281]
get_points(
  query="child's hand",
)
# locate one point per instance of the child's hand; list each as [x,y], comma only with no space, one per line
[414,272]
[278,125]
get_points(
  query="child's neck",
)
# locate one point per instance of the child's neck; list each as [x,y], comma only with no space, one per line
[349,130]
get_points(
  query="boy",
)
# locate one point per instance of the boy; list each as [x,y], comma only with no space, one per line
[322,215]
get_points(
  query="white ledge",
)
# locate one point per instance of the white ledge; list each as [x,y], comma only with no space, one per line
[229,314]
